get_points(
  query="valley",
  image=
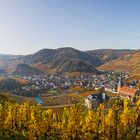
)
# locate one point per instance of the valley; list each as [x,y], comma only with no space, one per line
[69,70]
[66,76]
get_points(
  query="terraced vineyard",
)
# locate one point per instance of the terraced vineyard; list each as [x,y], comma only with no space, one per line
[78,97]
[61,100]
[53,99]
[87,93]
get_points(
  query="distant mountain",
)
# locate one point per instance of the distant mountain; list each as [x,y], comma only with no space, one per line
[8,63]
[8,56]
[57,55]
[44,55]
[26,70]
[70,60]
[63,60]
[107,55]
[127,63]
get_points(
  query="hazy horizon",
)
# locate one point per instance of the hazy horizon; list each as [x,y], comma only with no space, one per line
[66,47]
[27,26]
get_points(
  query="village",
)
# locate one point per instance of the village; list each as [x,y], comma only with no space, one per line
[93,89]
[41,83]
[100,88]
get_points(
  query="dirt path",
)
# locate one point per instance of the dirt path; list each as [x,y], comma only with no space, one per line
[59,106]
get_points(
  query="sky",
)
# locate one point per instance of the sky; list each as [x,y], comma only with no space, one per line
[27,26]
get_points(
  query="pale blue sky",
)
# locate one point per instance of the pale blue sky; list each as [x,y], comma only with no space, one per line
[27,26]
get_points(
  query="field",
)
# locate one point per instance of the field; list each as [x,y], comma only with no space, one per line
[22,81]
[63,99]
[53,98]
[87,93]
[51,92]
[60,100]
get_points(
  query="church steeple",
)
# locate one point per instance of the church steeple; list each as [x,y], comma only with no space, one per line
[120,83]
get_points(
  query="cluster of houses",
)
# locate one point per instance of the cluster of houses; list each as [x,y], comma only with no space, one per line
[123,91]
[108,81]
[47,82]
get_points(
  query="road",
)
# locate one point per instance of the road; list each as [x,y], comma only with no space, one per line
[59,106]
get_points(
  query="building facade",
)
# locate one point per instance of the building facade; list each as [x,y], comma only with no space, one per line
[92,101]
[125,91]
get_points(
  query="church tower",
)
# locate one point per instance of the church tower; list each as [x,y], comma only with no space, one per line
[120,84]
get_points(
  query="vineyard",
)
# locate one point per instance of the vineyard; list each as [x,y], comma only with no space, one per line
[21,122]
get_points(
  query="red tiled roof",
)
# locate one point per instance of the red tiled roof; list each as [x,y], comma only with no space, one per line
[128,90]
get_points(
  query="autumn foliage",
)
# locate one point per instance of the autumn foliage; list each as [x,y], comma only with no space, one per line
[76,89]
[119,122]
